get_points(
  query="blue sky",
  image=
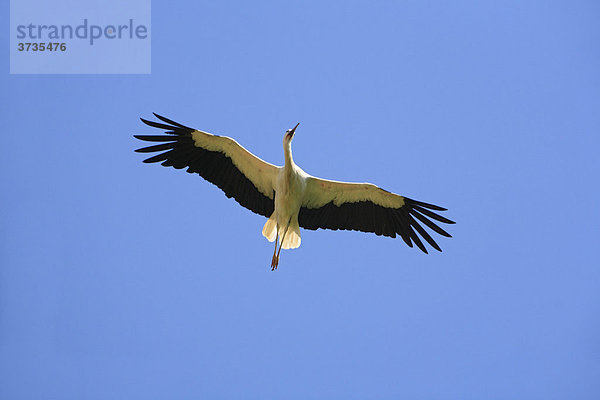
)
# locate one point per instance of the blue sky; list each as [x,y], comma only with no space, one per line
[125,280]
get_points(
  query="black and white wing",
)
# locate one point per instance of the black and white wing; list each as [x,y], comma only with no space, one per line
[368,208]
[218,159]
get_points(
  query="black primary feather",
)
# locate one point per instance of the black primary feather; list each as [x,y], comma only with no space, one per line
[214,166]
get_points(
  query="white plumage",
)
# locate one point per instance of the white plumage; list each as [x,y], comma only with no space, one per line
[289,197]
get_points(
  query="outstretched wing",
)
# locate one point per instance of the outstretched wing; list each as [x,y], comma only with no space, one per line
[368,208]
[218,159]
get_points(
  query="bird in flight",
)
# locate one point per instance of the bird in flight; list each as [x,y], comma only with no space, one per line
[289,197]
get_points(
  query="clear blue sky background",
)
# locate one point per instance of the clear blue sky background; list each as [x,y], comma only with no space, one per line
[124,280]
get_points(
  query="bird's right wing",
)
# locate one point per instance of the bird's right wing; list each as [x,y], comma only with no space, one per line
[218,159]
[365,207]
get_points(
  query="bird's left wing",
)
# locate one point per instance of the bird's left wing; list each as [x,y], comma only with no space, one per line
[368,208]
[218,159]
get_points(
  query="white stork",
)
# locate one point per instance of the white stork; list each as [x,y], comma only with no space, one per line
[289,197]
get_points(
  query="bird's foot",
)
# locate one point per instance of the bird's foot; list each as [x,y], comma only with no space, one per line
[274,262]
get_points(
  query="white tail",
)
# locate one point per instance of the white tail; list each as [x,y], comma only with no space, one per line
[270,229]
[292,237]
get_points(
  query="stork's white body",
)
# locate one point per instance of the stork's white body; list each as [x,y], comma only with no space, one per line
[289,197]
[290,186]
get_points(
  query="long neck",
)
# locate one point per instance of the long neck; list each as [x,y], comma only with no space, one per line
[287,151]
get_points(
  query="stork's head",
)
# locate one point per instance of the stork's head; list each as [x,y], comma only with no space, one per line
[289,134]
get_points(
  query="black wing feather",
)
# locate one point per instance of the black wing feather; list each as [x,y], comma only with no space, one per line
[367,216]
[433,215]
[214,166]
[156,138]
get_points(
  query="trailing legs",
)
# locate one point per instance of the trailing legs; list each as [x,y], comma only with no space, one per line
[275,260]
